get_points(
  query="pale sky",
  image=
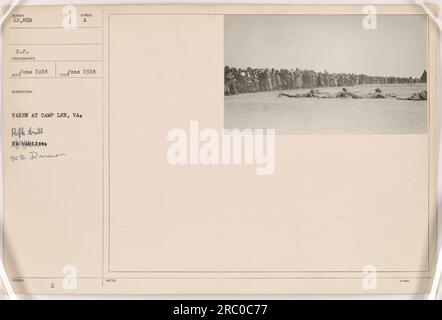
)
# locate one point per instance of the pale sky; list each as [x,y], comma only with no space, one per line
[335,43]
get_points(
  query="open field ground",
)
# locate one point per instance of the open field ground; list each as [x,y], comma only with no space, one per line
[329,116]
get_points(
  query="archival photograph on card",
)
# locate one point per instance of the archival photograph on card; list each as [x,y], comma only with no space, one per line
[326,74]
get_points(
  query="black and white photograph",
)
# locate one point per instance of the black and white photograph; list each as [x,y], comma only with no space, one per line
[326,74]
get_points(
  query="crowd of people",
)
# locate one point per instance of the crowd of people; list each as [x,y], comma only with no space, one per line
[246,80]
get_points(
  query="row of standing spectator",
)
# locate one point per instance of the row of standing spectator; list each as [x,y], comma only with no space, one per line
[246,80]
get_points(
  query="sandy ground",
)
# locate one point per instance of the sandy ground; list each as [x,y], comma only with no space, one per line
[329,116]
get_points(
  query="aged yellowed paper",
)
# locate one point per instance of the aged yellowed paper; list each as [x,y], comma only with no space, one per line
[219,149]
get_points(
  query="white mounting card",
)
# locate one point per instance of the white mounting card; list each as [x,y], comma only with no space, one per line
[220,149]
